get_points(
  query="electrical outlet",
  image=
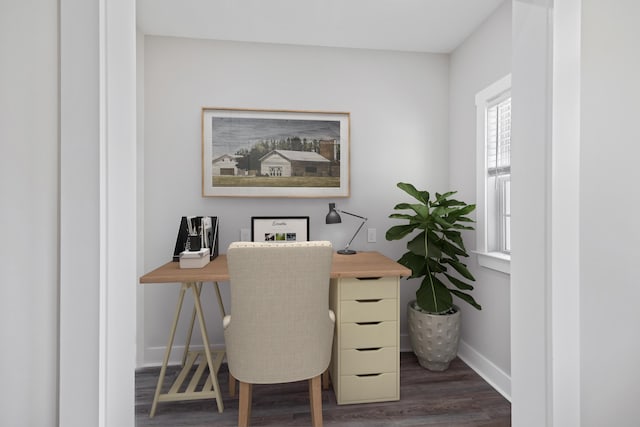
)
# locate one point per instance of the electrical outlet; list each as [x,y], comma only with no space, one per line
[371,235]
[245,235]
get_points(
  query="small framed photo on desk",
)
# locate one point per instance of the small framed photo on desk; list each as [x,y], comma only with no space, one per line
[279,229]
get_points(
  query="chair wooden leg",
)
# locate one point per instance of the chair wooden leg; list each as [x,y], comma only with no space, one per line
[325,380]
[244,404]
[315,397]
[232,385]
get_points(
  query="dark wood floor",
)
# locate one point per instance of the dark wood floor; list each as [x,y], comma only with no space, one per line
[456,397]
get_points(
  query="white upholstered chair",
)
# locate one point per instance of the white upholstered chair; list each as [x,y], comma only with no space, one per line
[280,329]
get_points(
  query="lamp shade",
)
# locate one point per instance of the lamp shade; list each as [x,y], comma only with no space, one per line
[333,217]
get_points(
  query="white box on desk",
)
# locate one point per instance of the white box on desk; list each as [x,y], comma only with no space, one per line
[194,259]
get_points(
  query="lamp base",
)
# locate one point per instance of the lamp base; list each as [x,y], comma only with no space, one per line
[347,252]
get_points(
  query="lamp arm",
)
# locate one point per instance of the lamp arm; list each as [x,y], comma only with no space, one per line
[356,233]
[349,213]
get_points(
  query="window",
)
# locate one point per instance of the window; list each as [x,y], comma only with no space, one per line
[493,106]
[275,170]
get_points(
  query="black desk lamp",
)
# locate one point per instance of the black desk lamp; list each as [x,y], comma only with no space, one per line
[334,218]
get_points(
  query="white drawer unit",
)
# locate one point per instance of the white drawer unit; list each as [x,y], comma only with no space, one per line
[368,361]
[365,362]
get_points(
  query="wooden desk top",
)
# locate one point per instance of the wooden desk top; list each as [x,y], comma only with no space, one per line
[362,264]
[366,264]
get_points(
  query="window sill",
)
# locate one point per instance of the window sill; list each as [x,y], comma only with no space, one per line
[495,261]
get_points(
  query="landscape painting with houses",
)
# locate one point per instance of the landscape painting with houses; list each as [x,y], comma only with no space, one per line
[257,152]
[275,153]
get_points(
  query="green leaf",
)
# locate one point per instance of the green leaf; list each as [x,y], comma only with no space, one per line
[465,210]
[464,219]
[467,298]
[433,250]
[397,232]
[415,263]
[435,266]
[456,216]
[455,237]
[421,196]
[442,211]
[433,296]
[402,216]
[459,283]
[418,245]
[461,227]
[442,222]
[420,210]
[401,206]
[453,202]
[452,250]
[442,197]
[432,235]
[459,267]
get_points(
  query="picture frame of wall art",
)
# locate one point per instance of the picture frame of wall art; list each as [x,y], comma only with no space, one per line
[275,153]
[279,229]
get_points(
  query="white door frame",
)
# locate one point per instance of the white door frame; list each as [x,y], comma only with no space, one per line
[97,212]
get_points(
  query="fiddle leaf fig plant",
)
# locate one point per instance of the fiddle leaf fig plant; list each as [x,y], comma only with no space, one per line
[435,252]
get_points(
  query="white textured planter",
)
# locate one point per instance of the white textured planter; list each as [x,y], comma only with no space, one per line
[434,337]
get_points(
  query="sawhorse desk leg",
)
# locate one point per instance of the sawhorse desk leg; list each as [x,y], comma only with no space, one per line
[211,389]
[232,381]
[223,313]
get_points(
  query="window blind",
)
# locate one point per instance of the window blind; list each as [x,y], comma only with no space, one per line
[499,138]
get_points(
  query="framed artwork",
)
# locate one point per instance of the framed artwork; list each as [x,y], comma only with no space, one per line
[279,229]
[274,153]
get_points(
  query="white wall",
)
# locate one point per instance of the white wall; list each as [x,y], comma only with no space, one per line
[399,114]
[481,60]
[29,212]
[609,202]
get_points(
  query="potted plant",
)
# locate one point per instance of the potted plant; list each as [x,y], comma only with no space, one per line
[434,254]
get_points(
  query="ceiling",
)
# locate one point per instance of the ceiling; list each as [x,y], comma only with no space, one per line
[437,26]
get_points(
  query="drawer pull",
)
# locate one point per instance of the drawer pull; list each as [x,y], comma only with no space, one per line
[369,300]
[367,323]
[368,375]
[369,349]
[368,278]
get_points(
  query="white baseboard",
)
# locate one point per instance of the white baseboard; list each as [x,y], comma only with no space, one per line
[493,375]
[405,344]
[153,356]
